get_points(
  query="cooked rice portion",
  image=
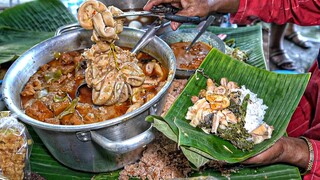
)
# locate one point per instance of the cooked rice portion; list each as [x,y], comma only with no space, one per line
[255,110]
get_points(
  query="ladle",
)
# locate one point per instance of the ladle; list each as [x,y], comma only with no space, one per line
[143,41]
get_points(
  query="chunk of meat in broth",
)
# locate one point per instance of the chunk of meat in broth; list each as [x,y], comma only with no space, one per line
[110,72]
[72,119]
[38,110]
[33,85]
[155,74]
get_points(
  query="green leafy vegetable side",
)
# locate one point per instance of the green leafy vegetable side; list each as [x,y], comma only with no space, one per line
[236,133]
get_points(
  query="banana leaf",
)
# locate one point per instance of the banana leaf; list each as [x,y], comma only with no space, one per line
[275,172]
[39,16]
[14,42]
[281,93]
[248,39]
[25,25]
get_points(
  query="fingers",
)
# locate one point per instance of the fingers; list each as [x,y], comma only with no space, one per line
[187,12]
[272,155]
[177,5]
[175,25]
[254,160]
[152,3]
[184,12]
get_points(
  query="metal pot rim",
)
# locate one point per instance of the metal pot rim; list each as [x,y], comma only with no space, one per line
[74,128]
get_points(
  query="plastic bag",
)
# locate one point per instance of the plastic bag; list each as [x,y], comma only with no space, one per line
[15,148]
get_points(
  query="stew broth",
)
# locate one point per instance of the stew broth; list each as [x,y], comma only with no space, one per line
[49,95]
[192,59]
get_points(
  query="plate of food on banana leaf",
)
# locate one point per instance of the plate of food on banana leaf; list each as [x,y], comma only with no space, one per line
[230,111]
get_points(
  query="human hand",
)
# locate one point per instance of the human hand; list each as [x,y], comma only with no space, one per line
[199,8]
[289,150]
[188,8]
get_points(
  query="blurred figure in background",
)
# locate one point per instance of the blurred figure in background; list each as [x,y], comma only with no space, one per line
[278,55]
[292,35]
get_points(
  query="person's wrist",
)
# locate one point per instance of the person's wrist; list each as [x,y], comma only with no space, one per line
[311,156]
[291,146]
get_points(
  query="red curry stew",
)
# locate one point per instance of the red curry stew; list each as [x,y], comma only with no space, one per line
[49,95]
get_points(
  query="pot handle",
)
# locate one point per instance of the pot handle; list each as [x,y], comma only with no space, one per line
[123,146]
[67,28]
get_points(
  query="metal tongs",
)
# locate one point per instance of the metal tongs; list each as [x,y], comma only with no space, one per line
[203,28]
[163,11]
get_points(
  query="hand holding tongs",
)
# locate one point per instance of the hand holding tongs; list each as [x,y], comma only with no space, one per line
[164,11]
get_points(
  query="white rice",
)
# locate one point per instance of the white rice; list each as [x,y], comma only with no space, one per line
[255,110]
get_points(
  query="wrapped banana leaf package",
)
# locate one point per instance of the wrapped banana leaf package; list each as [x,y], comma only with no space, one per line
[202,138]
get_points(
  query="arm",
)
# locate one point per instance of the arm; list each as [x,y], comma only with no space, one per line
[284,151]
[302,12]
[304,122]
[199,8]
[293,151]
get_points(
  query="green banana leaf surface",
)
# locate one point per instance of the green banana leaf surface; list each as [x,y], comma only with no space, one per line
[25,25]
[281,93]
[248,39]
[274,172]
[14,42]
[43,163]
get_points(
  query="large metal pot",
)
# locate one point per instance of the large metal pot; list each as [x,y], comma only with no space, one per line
[98,147]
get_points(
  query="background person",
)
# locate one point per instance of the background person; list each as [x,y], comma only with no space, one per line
[278,56]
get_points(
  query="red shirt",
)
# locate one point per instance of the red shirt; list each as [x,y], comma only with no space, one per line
[306,119]
[302,12]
